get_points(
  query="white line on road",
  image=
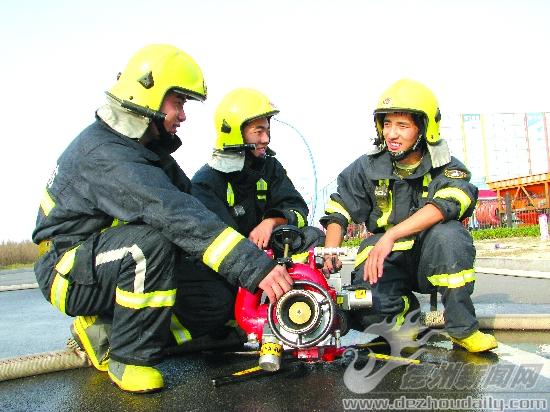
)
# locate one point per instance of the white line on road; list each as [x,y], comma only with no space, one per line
[521,357]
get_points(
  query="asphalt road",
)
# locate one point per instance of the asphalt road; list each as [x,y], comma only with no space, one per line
[28,324]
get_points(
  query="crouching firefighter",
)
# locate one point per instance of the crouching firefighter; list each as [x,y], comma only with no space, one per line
[248,188]
[411,194]
[117,216]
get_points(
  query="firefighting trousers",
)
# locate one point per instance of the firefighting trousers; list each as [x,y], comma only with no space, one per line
[126,274]
[204,302]
[440,258]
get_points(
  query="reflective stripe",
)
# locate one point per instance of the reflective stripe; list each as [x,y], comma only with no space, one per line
[139,259]
[58,292]
[230,195]
[47,203]
[157,299]
[180,332]
[457,194]
[66,262]
[300,257]
[453,280]
[335,207]
[397,246]
[118,222]
[382,221]
[220,247]
[400,318]
[261,190]
[300,220]
[425,183]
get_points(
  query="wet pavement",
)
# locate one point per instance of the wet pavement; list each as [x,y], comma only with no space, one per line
[508,377]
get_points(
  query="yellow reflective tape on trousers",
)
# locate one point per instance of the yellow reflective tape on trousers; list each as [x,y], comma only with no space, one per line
[425,183]
[299,219]
[335,207]
[156,299]
[181,333]
[66,262]
[220,248]
[230,195]
[400,318]
[47,203]
[457,194]
[58,292]
[453,280]
[397,246]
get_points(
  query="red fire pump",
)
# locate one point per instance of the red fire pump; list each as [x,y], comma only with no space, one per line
[308,320]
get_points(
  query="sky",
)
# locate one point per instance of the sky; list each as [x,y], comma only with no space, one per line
[323,63]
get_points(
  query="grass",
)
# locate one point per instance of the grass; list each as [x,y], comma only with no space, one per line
[17,254]
[481,234]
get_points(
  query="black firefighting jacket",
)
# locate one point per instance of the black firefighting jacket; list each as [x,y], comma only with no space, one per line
[103,175]
[242,199]
[369,191]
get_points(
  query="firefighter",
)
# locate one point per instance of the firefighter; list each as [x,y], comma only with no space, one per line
[117,216]
[248,188]
[412,195]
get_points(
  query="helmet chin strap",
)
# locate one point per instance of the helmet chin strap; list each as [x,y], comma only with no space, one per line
[401,155]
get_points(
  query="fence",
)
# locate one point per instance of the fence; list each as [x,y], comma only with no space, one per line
[508,211]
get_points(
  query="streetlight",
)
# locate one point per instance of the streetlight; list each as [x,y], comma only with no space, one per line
[314,201]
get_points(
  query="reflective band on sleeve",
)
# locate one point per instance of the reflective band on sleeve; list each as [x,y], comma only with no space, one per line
[261,190]
[181,333]
[66,262]
[425,183]
[299,219]
[220,248]
[400,318]
[47,203]
[335,207]
[397,246]
[457,194]
[453,280]
[156,299]
[230,195]
[58,292]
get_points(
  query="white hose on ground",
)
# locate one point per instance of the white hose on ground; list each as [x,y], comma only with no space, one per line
[496,322]
[70,358]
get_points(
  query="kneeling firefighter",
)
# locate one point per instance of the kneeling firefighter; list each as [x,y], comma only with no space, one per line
[117,217]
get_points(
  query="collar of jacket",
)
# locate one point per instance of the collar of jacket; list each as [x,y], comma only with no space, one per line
[380,166]
[133,143]
[165,145]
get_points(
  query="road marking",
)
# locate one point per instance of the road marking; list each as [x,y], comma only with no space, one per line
[521,357]
[514,272]
[18,287]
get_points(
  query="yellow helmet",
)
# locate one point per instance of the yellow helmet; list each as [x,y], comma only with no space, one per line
[152,72]
[237,108]
[410,96]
